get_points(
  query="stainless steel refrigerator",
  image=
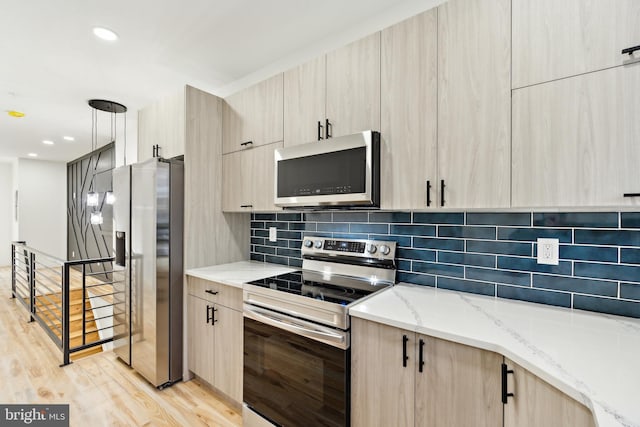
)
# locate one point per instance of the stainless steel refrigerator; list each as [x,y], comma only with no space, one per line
[148,238]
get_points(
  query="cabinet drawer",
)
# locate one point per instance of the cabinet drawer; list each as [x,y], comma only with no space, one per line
[225,295]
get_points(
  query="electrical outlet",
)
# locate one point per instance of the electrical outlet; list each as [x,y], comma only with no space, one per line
[548,251]
[273,233]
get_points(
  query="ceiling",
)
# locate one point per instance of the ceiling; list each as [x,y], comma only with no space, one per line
[52,63]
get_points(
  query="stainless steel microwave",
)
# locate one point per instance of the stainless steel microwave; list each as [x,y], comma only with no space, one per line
[337,172]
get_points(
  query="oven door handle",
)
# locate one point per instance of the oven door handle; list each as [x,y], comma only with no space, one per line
[294,325]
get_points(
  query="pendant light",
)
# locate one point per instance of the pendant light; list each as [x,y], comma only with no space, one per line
[113,108]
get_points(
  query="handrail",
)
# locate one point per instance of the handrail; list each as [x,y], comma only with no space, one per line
[43,284]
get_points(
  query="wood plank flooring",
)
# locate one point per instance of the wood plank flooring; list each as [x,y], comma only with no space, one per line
[100,390]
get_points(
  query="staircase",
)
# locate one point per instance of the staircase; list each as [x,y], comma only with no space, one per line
[48,306]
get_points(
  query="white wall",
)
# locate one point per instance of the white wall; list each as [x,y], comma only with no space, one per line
[6,212]
[42,205]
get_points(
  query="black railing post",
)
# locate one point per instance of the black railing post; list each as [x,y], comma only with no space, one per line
[65,315]
[84,304]
[32,286]
[13,270]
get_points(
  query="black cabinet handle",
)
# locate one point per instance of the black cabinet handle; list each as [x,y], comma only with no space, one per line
[209,313]
[631,195]
[428,193]
[246,143]
[319,130]
[442,192]
[630,50]
[156,150]
[421,355]
[405,340]
[209,291]
[327,126]
[246,206]
[213,315]
[505,392]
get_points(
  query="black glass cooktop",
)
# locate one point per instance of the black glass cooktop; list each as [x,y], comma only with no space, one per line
[294,283]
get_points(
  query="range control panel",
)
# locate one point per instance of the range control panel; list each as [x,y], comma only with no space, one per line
[348,247]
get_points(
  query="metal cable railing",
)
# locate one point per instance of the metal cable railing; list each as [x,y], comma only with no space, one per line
[71,302]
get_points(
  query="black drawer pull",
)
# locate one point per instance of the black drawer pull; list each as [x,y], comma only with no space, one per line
[442,192]
[319,130]
[405,340]
[421,355]
[630,50]
[209,291]
[428,193]
[505,392]
[246,143]
[246,206]
[631,195]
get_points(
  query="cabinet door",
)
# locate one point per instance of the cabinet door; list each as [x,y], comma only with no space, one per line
[459,385]
[353,87]
[474,102]
[382,390]
[227,358]
[575,141]
[304,102]
[537,403]
[201,338]
[163,124]
[249,179]
[554,39]
[253,114]
[409,112]
[236,182]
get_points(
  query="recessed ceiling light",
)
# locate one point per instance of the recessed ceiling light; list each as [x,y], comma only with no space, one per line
[17,114]
[32,154]
[105,34]
[68,138]
[47,142]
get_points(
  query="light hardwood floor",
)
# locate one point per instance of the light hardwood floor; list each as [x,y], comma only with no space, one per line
[100,390]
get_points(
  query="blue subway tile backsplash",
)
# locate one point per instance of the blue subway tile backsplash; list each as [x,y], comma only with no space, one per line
[487,253]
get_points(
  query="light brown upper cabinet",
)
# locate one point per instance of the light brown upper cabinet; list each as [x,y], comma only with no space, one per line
[555,39]
[409,101]
[249,179]
[474,103]
[253,116]
[339,91]
[575,140]
[163,124]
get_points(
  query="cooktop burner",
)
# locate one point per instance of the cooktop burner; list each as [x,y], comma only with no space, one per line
[294,283]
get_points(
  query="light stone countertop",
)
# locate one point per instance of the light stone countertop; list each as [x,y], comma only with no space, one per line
[237,273]
[592,357]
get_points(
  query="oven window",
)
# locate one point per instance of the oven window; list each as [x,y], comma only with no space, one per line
[293,380]
[337,172]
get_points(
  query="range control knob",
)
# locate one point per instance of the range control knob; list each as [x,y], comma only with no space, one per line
[384,250]
[318,244]
[371,249]
[308,243]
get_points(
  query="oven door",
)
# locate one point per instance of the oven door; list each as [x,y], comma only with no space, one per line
[296,373]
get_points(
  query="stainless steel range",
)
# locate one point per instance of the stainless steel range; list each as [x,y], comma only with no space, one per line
[296,332]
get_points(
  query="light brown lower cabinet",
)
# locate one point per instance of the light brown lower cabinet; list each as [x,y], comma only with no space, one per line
[537,403]
[215,343]
[402,378]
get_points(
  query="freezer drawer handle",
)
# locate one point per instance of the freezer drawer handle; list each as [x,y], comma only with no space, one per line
[209,291]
